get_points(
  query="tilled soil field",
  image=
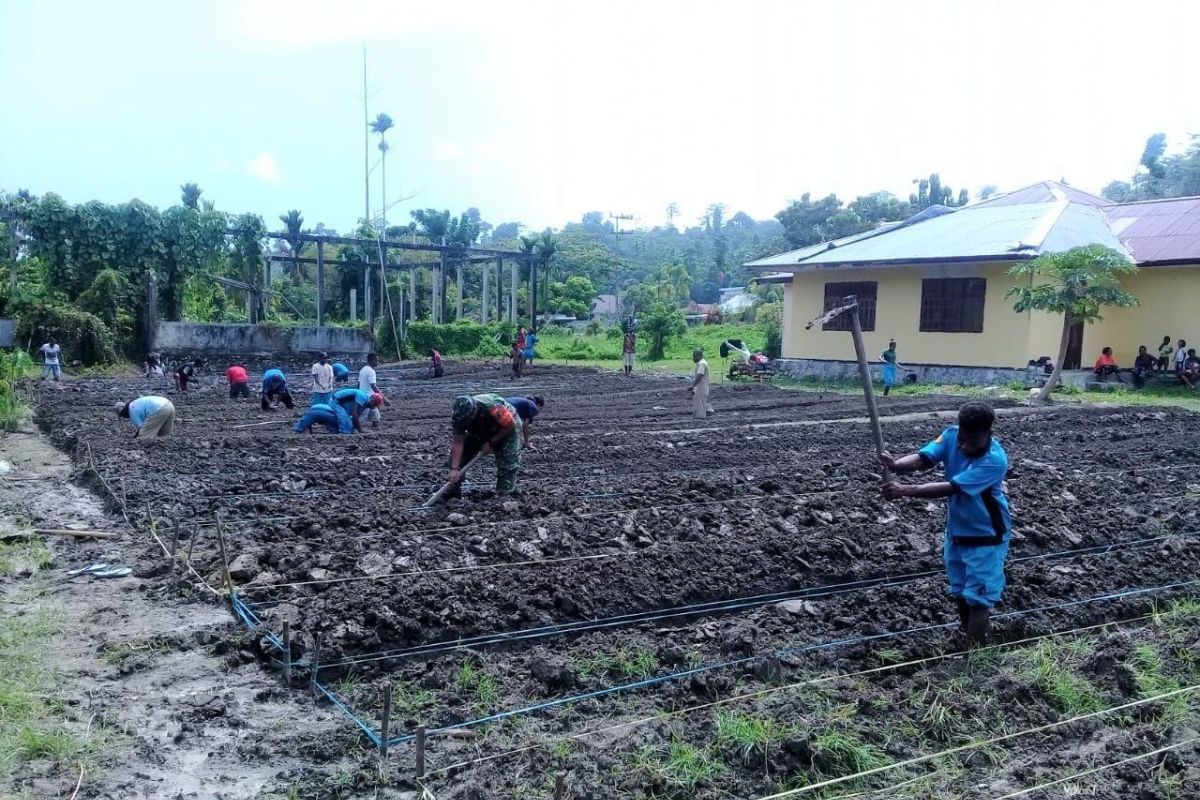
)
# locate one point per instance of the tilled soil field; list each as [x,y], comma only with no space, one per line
[682,609]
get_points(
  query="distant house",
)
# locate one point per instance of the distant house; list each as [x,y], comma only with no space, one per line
[606,306]
[937,283]
[735,300]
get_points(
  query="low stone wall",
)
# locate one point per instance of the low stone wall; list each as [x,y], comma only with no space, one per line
[926,373]
[259,343]
[8,332]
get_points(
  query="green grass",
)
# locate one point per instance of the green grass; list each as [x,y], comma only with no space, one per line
[747,735]
[408,698]
[1149,672]
[638,663]
[116,653]
[479,688]
[680,765]
[842,753]
[1049,667]
[23,553]
[32,725]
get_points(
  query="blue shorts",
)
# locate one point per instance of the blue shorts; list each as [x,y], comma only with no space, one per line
[976,574]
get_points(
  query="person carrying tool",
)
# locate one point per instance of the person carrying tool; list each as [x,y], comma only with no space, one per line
[527,409]
[239,382]
[152,416]
[354,402]
[435,364]
[333,417]
[322,381]
[628,351]
[482,424]
[275,390]
[699,387]
[978,520]
[341,373]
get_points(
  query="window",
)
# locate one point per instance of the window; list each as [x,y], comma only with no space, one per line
[865,292]
[952,305]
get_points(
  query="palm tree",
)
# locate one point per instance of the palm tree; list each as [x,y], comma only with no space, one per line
[293,221]
[382,124]
[547,247]
[190,195]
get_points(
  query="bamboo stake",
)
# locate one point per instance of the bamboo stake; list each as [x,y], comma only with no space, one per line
[420,753]
[174,546]
[76,534]
[385,722]
[287,652]
[560,785]
[225,562]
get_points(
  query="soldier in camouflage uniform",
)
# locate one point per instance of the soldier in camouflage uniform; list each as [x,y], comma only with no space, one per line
[485,423]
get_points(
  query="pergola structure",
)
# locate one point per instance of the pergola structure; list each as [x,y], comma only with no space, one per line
[486,259]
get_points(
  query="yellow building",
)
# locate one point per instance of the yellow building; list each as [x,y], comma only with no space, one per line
[936,283]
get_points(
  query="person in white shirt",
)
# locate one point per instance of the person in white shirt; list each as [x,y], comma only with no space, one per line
[366,383]
[699,388]
[1181,356]
[50,356]
[322,381]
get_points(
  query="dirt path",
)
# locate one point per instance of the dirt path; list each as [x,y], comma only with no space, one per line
[169,716]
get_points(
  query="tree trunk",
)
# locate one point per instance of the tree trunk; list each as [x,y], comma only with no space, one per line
[1052,381]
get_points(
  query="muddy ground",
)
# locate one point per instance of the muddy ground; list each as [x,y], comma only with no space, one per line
[630,516]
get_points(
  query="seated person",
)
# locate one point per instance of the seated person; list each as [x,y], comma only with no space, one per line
[1143,367]
[341,373]
[275,390]
[354,402]
[1107,365]
[1190,372]
[334,418]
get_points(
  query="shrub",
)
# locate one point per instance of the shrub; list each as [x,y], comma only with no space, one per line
[459,338]
[83,336]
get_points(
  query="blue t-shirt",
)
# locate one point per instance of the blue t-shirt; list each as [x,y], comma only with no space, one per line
[340,370]
[274,381]
[344,396]
[141,409]
[526,408]
[978,509]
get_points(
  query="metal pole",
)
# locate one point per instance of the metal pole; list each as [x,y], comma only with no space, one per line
[366,146]
[320,284]
[864,373]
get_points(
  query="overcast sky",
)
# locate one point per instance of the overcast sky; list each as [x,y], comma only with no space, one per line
[540,111]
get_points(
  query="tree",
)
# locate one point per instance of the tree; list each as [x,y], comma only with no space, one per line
[1159,175]
[805,221]
[661,321]
[574,297]
[381,125]
[506,230]
[672,213]
[1076,283]
[988,191]
[190,195]
[293,223]
[547,248]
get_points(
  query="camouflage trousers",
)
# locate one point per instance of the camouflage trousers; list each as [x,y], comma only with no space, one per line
[508,459]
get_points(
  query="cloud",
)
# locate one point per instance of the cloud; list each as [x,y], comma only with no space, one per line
[263,167]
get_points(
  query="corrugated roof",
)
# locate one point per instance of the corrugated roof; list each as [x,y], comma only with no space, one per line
[1159,231]
[1044,192]
[793,257]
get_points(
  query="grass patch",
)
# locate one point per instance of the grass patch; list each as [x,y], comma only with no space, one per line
[1149,672]
[479,688]
[32,724]
[837,753]
[680,765]
[638,663]
[135,648]
[747,735]
[1049,667]
[22,554]
[408,698]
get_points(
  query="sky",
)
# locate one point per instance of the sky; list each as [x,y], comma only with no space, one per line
[540,111]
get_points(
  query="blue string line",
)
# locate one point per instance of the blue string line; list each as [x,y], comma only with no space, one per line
[345,709]
[618,688]
[719,606]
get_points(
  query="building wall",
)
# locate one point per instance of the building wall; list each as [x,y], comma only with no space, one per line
[218,340]
[1168,299]
[1005,341]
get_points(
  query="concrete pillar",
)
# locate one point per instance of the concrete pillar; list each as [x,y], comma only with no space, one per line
[499,289]
[458,296]
[486,305]
[320,284]
[442,286]
[412,293]
[368,311]
[353,305]
[512,300]
[533,295]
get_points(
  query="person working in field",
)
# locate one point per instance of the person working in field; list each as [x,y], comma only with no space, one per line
[322,381]
[341,373]
[185,375]
[435,364]
[275,390]
[628,350]
[527,409]
[699,387]
[333,417]
[518,359]
[368,382]
[356,401]
[978,521]
[152,416]
[891,368]
[482,424]
[531,340]
[239,382]
[51,356]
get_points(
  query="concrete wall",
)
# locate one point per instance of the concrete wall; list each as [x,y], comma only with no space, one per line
[218,340]
[8,332]
[1168,299]
[926,373]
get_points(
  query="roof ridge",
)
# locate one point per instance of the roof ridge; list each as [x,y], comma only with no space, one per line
[1110,203]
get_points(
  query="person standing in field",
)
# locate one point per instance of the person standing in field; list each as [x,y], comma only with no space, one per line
[368,382]
[531,340]
[518,359]
[1164,354]
[891,368]
[699,387]
[322,381]
[628,350]
[978,520]
[51,354]
[152,416]
[239,382]
[435,364]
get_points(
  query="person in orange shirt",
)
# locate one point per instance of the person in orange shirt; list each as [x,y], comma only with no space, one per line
[1107,365]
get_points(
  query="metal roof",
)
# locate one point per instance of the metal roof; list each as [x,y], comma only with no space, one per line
[1158,231]
[1044,192]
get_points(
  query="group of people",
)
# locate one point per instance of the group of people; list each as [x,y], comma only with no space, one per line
[523,352]
[1179,360]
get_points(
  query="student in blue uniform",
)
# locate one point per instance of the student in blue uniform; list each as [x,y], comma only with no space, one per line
[356,401]
[527,408]
[978,521]
[333,417]
[341,373]
[275,389]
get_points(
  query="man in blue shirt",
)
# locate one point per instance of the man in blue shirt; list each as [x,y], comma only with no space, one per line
[341,373]
[978,521]
[333,417]
[354,402]
[152,416]
[275,389]
[527,408]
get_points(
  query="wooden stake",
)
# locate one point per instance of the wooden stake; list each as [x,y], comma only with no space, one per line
[560,785]
[174,546]
[385,722]
[315,664]
[864,373]
[225,561]
[287,652]
[191,544]
[76,534]
[420,752]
